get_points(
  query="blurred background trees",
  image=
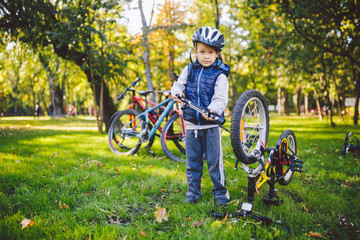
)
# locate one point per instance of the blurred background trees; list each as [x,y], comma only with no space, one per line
[303,55]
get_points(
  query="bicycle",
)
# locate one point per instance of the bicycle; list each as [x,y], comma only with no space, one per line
[139,104]
[249,134]
[351,144]
[131,129]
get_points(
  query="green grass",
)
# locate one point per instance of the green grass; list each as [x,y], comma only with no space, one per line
[46,161]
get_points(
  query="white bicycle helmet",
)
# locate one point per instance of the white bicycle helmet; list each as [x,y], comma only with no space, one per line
[209,36]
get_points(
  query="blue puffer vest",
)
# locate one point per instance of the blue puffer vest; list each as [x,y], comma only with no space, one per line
[200,87]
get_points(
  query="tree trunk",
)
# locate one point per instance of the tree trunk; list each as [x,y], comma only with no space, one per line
[318,104]
[298,104]
[278,104]
[306,104]
[285,102]
[327,90]
[357,95]
[146,54]
[217,16]
[56,94]
[339,104]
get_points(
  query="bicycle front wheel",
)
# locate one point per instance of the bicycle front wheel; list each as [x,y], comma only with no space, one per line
[287,147]
[124,136]
[249,125]
[172,139]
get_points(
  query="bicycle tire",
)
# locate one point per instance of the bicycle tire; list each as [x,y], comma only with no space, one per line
[287,150]
[172,141]
[249,125]
[125,143]
[147,146]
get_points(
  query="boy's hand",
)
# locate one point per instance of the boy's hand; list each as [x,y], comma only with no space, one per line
[177,99]
[206,116]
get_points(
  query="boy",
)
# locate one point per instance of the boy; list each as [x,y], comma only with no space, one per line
[205,83]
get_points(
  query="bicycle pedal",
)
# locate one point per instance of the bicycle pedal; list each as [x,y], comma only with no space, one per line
[296,165]
[247,207]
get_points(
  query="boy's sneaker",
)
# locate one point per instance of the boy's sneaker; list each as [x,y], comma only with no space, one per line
[191,200]
[221,201]
[221,204]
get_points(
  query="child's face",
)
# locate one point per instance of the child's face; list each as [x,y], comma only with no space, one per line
[205,54]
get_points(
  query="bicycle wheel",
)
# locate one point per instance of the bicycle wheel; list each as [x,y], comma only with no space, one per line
[172,141]
[249,125]
[115,140]
[124,137]
[287,151]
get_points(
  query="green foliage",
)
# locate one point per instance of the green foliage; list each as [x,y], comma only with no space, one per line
[104,196]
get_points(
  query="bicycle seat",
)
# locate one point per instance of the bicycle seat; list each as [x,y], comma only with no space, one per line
[165,93]
[144,93]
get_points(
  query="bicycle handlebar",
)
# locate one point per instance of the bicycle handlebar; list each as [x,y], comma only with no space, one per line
[133,84]
[214,116]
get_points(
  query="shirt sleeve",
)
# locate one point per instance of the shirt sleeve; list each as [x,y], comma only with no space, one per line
[220,99]
[179,85]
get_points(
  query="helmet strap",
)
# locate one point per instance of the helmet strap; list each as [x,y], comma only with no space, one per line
[191,61]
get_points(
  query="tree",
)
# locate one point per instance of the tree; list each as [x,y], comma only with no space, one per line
[63,25]
[335,29]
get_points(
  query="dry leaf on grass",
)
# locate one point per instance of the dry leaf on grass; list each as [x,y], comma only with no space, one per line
[232,181]
[26,222]
[314,235]
[161,215]
[142,233]
[61,206]
[225,218]
[187,219]
[197,223]
[304,208]
[163,190]
[217,224]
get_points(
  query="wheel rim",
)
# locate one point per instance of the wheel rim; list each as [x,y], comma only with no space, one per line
[174,140]
[290,152]
[253,126]
[126,136]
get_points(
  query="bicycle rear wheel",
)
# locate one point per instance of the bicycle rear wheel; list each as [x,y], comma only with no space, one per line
[287,147]
[124,137]
[172,140]
[249,125]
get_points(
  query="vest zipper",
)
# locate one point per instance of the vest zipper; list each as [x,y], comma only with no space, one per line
[198,94]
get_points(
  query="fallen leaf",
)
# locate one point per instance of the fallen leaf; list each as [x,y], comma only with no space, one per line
[25,222]
[314,235]
[163,190]
[161,158]
[161,215]
[304,208]
[215,225]
[234,180]
[197,223]
[142,233]
[118,171]
[61,206]
[225,218]
[125,237]
[187,219]
[150,166]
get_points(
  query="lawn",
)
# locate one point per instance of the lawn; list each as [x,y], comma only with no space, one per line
[61,175]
